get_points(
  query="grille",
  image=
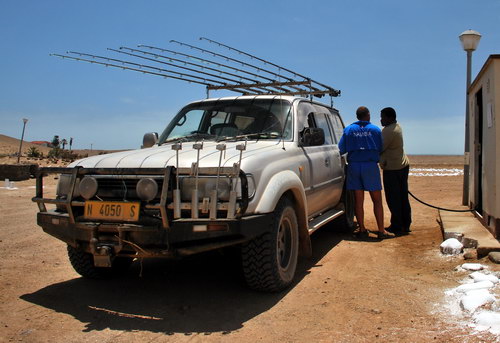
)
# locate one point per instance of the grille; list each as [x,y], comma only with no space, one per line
[121,189]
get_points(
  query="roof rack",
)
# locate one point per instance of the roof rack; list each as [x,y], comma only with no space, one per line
[220,72]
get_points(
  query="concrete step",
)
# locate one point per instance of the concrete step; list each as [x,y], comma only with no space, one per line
[467,229]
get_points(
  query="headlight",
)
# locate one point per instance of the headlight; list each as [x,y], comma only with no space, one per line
[251,185]
[64,185]
[205,186]
[88,187]
[147,189]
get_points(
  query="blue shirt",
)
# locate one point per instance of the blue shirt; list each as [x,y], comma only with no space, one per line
[362,141]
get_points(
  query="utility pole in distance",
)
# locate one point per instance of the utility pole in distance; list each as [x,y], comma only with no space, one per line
[22,137]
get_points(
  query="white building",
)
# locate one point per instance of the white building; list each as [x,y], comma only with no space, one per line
[484,137]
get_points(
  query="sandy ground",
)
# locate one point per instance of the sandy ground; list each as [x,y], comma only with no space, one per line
[350,291]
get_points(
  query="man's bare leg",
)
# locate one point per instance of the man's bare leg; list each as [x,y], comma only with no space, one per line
[378,209]
[359,199]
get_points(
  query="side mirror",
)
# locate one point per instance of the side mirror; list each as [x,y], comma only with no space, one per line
[150,139]
[312,136]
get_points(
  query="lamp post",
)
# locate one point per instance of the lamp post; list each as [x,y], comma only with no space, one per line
[470,40]
[22,137]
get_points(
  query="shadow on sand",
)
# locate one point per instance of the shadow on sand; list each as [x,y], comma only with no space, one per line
[202,294]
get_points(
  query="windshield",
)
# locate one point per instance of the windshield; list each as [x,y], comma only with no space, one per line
[237,118]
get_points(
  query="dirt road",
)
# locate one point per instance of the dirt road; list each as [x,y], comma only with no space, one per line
[350,291]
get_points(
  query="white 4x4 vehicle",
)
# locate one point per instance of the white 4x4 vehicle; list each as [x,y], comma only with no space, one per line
[260,172]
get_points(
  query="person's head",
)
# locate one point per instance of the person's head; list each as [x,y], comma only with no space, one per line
[387,116]
[363,113]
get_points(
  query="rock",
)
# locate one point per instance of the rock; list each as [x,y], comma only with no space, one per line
[470,254]
[472,266]
[475,286]
[451,246]
[489,320]
[494,256]
[478,277]
[474,299]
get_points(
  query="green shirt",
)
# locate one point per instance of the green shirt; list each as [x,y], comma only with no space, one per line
[393,156]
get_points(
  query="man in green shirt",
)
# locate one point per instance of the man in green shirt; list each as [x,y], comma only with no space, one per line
[396,166]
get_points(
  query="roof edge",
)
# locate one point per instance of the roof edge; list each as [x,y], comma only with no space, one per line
[483,70]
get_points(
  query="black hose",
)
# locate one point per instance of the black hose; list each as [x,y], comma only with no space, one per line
[439,208]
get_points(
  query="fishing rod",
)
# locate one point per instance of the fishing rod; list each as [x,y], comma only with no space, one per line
[178,66]
[171,59]
[128,68]
[236,75]
[265,62]
[220,65]
[181,76]
[227,58]
[144,66]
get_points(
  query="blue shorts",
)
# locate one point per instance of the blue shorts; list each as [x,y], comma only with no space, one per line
[363,176]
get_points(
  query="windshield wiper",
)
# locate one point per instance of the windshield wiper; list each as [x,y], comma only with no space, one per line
[257,135]
[195,136]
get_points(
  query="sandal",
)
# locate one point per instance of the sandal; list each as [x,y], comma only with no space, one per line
[360,233]
[385,234]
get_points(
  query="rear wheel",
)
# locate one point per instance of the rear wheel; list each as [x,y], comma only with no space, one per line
[270,260]
[83,263]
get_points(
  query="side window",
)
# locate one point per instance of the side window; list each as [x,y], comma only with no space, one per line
[338,127]
[218,117]
[303,119]
[321,122]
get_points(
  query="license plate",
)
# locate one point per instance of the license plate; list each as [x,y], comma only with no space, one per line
[108,210]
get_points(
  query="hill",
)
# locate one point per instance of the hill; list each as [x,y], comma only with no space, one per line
[9,146]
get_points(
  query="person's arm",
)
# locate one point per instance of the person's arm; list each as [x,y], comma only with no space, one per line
[342,144]
[387,137]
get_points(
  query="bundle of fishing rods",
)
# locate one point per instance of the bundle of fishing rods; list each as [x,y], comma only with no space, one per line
[218,72]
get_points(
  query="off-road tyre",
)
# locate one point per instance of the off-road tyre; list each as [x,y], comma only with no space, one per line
[347,219]
[270,260]
[83,264]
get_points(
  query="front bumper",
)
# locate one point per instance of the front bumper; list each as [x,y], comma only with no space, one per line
[183,237]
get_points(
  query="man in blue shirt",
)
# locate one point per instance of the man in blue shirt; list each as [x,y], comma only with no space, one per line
[362,141]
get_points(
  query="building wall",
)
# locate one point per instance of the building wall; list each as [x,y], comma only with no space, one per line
[488,81]
[495,91]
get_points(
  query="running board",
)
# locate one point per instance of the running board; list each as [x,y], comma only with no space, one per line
[323,219]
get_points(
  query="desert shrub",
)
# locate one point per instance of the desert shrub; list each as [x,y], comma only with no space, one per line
[54,153]
[68,155]
[34,152]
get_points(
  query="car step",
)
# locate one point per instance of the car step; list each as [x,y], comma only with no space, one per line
[324,218]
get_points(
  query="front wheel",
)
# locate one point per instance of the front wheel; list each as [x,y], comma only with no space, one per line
[270,260]
[346,221]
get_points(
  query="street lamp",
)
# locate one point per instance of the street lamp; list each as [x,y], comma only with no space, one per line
[470,40]
[22,137]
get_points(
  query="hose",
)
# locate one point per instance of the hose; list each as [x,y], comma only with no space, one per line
[439,208]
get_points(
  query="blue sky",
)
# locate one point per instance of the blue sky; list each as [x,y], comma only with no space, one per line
[404,54]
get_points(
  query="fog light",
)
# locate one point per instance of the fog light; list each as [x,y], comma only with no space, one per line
[147,189]
[88,187]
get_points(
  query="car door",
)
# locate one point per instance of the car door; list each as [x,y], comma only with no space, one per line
[318,172]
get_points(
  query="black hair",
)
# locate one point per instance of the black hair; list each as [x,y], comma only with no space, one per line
[362,112]
[389,112]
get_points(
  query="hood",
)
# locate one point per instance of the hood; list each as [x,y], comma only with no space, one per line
[163,156]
